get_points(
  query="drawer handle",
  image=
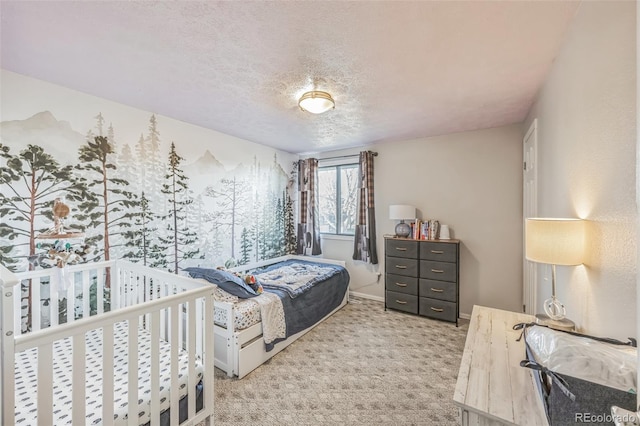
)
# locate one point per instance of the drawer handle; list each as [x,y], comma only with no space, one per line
[437,290]
[401,248]
[401,284]
[401,302]
[437,251]
[438,271]
[437,309]
[401,267]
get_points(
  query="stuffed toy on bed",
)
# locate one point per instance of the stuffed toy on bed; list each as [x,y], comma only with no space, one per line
[253,283]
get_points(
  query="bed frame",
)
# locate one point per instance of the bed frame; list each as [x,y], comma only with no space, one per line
[168,306]
[240,352]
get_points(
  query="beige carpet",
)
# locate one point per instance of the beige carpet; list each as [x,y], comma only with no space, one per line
[362,366]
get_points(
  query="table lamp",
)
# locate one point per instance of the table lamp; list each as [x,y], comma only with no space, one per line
[401,212]
[555,242]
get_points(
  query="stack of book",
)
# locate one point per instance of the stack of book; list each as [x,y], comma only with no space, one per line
[425,229]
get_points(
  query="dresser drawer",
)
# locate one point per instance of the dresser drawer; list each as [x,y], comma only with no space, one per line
[441,290]
[438,309]
[440,271]
[402,302]
[402,284]
[402,248]
[442,252]
[402,266]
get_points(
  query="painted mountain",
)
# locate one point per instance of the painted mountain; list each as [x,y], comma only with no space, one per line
[43,129]
[207,165]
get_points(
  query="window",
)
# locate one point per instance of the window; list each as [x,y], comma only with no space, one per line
[337,188]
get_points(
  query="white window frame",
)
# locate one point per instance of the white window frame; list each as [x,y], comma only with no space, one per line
[337,165]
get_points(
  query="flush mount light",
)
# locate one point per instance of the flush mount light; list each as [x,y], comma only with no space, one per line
[316,102]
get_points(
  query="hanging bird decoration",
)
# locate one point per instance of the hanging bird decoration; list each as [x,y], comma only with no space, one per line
[60,213]
[60,253]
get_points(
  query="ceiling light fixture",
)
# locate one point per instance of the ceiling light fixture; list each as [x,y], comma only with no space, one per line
[316,102]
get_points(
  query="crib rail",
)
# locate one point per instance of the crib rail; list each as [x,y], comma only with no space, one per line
[8,284]
[169,307]
[58,295]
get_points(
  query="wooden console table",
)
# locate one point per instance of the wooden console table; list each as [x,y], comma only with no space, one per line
[492,389]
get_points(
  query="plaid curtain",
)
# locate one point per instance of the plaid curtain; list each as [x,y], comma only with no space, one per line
[364,245]
[309,225]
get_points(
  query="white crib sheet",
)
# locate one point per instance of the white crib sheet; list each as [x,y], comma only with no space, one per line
[26,379]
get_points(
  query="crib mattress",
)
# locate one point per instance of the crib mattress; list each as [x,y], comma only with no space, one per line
[26,379]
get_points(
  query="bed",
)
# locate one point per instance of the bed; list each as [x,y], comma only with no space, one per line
[136,338]
[250,331]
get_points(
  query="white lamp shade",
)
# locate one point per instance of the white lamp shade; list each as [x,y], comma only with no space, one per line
[316,102]
[555,241]
[401,212]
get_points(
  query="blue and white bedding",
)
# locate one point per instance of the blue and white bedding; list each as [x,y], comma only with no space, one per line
[297,294]
[26,379]
[295,276]
[320,295]
[246,312]
[265,308]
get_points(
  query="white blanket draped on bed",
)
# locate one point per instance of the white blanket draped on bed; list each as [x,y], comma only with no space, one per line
[272,313]
[295,278]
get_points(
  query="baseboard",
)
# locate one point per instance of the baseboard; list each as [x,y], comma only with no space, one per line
[465,316]
[366,296]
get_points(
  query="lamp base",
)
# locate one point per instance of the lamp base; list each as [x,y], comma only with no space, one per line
[403,230]
[561,324]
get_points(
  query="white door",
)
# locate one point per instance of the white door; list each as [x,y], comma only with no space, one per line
[529,209]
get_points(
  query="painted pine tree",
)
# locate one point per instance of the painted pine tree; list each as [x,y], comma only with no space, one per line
[111,137]
[289,226]
[111,208]
[194,213]
[267,240]
[178,241]
[100,124]
[278,234]
[245,247]
[155,169]
[29,182]
[140,240]
[232,202]
[213,247]
[127,165]
[291,240]
[255,232]
[141,171]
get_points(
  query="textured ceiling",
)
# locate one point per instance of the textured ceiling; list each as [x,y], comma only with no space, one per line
[397,70]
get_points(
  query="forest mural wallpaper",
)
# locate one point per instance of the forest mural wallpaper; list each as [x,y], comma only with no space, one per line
[156,197]
[140,186]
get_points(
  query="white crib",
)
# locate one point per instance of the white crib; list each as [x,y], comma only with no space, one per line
[164,308]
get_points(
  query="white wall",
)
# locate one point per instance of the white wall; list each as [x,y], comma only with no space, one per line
[637,175]
[586,114]
[470,181]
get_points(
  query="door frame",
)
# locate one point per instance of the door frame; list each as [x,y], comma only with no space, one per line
[530,199]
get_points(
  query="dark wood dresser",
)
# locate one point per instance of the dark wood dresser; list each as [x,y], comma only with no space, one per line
[423,277]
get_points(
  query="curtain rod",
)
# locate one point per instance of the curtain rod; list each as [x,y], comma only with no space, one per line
[375,154]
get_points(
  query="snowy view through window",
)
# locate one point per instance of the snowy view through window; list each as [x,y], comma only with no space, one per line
[337,187]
